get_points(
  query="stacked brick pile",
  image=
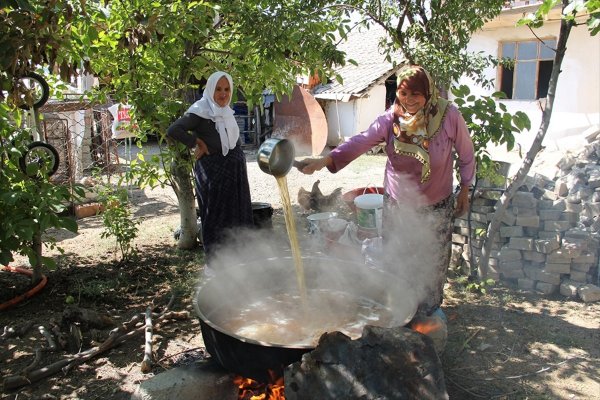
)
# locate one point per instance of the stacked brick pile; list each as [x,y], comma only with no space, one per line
[549,238]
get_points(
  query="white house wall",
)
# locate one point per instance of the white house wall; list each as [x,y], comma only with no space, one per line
[340,121]
[346,119]
[370,107]
[577,101]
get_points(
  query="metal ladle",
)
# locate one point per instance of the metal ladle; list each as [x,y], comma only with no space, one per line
[276,157]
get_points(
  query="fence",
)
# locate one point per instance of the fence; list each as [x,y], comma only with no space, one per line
[82,136]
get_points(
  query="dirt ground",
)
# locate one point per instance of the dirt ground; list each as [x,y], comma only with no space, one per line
[506,344]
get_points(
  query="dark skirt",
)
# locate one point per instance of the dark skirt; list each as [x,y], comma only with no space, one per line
[223,195]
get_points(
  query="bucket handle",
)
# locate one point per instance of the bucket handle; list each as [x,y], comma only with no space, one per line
[368,186]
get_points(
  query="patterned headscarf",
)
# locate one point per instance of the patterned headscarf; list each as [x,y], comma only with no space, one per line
[223,118]
[413,132]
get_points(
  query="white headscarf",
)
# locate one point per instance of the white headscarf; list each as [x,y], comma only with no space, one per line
[222,116]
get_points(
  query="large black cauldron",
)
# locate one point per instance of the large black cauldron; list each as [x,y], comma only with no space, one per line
[234,287]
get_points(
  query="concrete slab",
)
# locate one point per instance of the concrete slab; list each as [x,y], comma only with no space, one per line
[203,380]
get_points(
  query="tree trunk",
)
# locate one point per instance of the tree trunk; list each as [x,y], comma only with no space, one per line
[502,204]
[37,265]
[183,187]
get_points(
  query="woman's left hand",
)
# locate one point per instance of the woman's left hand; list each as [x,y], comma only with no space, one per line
[462,201]
[200,149]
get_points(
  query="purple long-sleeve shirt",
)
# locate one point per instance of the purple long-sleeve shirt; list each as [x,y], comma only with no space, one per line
[403,173]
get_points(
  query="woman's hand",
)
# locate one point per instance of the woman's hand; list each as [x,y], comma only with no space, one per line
[462,201]
[200,149]
[310,165]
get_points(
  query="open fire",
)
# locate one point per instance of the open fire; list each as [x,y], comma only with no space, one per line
[249,389]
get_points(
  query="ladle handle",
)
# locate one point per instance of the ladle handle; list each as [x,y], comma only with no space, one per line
[299,164]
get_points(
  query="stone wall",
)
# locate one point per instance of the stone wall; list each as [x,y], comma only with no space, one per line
[549,238]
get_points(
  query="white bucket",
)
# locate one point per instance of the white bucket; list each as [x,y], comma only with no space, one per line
[369,210]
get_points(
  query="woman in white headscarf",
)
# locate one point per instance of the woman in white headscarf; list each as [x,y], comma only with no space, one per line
[221,177]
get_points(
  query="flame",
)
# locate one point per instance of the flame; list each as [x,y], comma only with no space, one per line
[426,326]
[249,389]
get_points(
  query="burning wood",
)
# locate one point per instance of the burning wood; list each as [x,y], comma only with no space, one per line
[249,389]
[434,327]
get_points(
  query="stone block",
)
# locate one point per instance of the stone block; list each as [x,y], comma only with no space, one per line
[490,195]
[552,215]
[479,217]
[546,246]
[461,231]
[559,256]
[544,204]
[555,268]
[548,277]
[559,226]
[569,288]
[570,216]
[461,223]
[531,272]
[581,267]
[524,212]
[531,232]
[534,256]
[511,231]
[456,238]
[578,233]
[526,284]
[519,243]
[547,195]
[550,235]
[560,187]
[507,254]
[528,221]
[593,208]
[559,204]
[510,265]
[512,274]
[578,276]
[573,207]
[589,293]
[546,288]
[524,199]
[574,247]
[593,176]
[508,218]
[585,257]
[483,209]
[482,201]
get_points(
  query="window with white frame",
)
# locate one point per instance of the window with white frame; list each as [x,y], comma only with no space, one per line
[529,77]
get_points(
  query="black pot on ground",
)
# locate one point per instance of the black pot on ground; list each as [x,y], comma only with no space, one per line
[262,213]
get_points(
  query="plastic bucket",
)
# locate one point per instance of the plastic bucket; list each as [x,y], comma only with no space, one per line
[369,210]
[349,197]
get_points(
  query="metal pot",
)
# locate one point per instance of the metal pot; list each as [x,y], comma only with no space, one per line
[261,215]
[234,288]
[276,156]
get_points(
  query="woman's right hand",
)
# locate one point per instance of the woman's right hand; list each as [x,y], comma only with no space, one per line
[310,165]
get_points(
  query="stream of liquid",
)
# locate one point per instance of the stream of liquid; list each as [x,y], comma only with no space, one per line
[290,224]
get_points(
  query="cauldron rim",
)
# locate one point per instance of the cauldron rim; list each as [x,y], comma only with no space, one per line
[254,358]
[244,339]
